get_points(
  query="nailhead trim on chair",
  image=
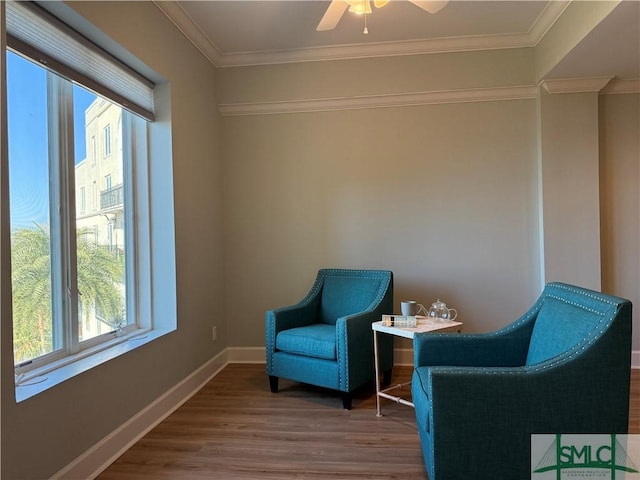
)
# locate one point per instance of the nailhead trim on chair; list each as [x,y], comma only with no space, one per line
[579,292]
[381,290]
[564,300]
[343,379]
[271,343]
[568,355]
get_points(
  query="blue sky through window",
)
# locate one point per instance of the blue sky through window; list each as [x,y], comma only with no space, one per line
[28,139]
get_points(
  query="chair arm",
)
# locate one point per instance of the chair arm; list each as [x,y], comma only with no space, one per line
[354,333]
[506,347]
[352,328]
[298,315]
[478,350]
[354,343]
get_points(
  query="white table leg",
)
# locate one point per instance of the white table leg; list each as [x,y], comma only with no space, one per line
[375,356]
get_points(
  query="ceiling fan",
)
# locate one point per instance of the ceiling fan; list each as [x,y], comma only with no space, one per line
[337,8]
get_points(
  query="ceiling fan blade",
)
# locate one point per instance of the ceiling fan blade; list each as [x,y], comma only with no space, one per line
[332,16]
[431,6]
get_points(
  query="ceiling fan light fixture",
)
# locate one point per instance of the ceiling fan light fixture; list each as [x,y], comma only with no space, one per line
[359,7]
[336,9]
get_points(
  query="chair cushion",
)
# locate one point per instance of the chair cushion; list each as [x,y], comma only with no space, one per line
[560,325]
[317,340]
[345,295]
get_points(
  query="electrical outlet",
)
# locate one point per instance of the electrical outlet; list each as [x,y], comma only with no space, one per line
[214,334]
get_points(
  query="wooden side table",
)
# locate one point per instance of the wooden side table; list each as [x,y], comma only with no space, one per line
[423,325]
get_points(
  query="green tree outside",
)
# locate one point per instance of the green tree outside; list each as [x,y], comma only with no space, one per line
[100,281]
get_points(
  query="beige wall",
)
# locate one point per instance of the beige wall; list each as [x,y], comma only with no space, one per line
[466,202]
[568,126]
[377,76]
[444,195]
[620,199]
[46,432]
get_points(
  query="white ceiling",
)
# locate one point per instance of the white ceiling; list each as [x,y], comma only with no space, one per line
[242,32]
[250,26]
[612,48]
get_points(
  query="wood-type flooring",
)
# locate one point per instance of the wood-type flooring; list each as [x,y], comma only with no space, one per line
[235,428]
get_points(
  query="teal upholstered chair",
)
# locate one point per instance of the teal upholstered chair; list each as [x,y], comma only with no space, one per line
[326,339]
[563,367]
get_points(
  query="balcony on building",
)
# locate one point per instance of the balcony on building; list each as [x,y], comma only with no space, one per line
[112,197]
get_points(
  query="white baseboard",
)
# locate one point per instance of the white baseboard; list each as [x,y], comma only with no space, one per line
[92,462]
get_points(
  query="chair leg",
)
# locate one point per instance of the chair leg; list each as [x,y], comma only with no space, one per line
[273,384]
[386,378]
[347,400]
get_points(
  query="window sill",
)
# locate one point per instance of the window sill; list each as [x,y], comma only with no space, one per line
[46,377]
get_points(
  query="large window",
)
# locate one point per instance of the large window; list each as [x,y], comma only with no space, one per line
[92,246]
[72,270]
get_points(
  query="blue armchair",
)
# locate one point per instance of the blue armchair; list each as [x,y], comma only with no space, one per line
[326,339]
[563,367]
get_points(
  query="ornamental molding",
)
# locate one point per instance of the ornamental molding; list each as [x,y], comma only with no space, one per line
[575,85]
[379,101]
[621,86]
[174,12]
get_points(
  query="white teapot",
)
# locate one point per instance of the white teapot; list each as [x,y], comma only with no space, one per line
[440,313]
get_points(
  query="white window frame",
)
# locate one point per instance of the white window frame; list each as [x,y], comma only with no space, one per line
[66,342]
[154,234]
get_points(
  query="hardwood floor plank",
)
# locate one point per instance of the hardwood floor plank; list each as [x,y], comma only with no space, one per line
[235,428]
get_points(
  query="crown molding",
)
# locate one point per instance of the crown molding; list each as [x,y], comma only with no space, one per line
[379,101]
[575,85]
[621,86]
[181,19]
[546,20]
[372,50]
